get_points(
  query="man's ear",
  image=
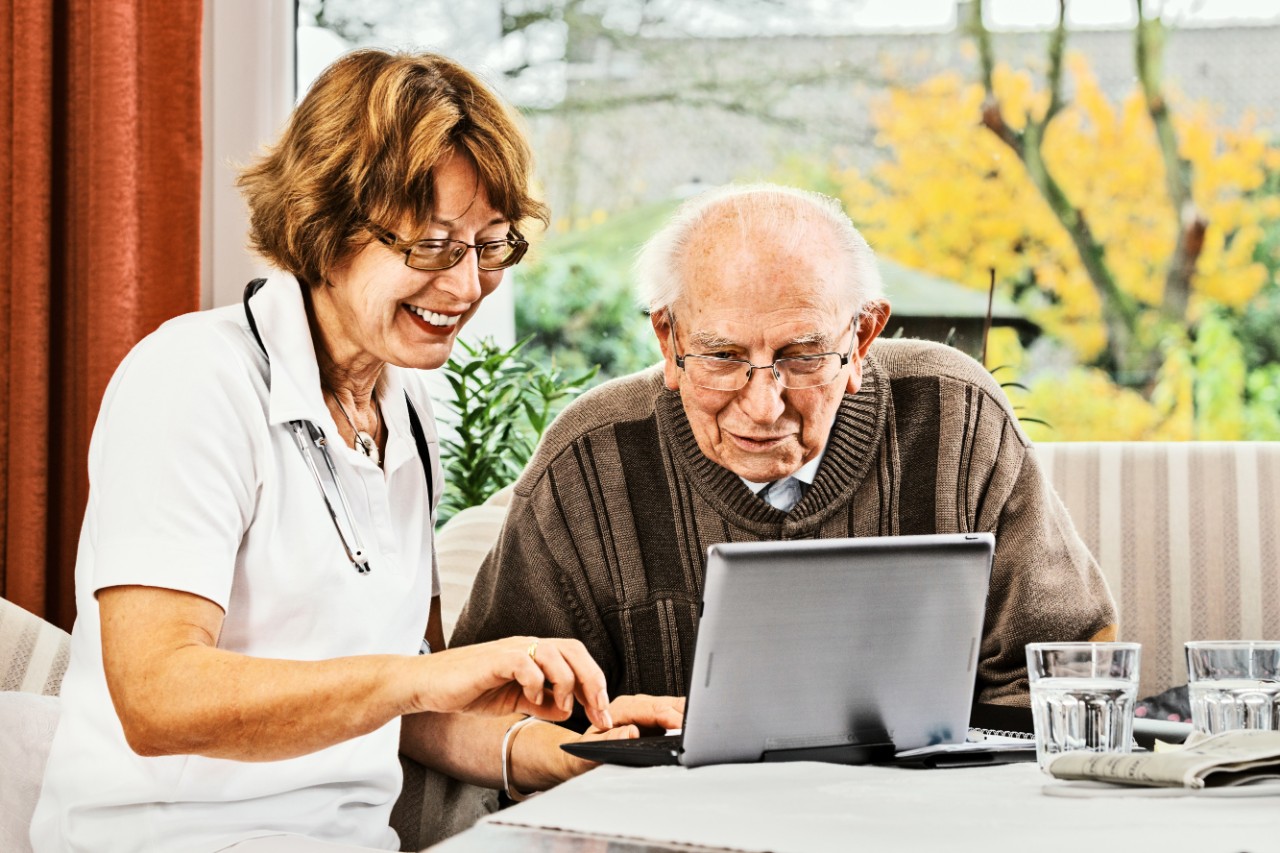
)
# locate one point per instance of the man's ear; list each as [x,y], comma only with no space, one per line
[661,321]
[871,323]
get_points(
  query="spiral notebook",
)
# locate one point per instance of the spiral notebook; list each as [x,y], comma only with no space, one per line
[997,735]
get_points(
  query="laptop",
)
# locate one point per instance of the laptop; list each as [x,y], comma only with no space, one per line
[838,650]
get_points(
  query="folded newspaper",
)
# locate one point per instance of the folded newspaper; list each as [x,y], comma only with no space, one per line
[1204,761]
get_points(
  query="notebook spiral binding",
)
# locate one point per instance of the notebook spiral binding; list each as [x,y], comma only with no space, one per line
[1006,733]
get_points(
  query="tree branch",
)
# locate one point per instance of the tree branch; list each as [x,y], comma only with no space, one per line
[1057,47]
[1119,310]
[607,103]
[1148,57]
[756,97]
[992,114]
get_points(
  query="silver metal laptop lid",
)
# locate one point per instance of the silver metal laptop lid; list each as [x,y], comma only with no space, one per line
[824,648]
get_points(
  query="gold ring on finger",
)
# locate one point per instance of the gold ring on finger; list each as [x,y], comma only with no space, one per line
[533,651]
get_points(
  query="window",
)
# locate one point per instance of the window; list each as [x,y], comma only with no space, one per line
[1123,330]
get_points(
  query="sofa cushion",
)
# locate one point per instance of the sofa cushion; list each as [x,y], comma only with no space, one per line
[28,721]
[33,652]
[462,543]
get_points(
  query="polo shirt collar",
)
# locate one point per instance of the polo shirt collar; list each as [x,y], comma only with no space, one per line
[281,317]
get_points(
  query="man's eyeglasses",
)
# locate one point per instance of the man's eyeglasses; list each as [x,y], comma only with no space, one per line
[732,374]
[429,255]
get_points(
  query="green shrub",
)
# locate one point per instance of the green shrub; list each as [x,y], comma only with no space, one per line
[579,311]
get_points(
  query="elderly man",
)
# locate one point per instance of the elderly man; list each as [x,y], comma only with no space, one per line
[776,414]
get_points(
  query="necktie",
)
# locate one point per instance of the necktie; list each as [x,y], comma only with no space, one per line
[783,494]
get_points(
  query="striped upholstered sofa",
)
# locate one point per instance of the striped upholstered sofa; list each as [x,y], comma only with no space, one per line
[1187,534]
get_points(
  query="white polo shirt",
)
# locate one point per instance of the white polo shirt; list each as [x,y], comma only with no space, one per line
[197,484]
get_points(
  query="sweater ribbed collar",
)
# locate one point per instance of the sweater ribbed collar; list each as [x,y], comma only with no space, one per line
[852,445]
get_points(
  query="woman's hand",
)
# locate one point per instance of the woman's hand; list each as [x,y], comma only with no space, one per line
[539,763]
[524,675]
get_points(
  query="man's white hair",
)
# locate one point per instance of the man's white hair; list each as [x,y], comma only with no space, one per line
[786,213]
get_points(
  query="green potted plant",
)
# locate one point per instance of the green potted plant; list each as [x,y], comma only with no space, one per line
[502,404]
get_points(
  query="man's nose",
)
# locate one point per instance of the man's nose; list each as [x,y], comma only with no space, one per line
[761,397]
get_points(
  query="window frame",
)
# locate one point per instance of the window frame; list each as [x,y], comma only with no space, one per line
[247,92]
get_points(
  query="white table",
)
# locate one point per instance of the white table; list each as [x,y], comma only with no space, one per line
[788,808]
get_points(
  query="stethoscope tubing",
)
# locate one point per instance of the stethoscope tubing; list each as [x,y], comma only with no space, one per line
[304,431]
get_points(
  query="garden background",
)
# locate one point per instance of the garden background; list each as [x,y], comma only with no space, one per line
[1119,181]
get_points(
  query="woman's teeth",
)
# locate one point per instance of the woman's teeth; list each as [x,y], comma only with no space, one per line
[433,318]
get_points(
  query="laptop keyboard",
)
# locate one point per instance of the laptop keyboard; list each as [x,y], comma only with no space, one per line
[636,752]
[653,744]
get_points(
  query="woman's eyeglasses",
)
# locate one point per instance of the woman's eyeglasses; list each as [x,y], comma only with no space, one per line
[430,255]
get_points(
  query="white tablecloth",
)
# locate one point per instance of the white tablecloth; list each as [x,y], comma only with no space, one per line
[809,807]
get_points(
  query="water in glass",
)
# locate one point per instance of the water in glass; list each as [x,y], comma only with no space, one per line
[1236,703]
[1094,714]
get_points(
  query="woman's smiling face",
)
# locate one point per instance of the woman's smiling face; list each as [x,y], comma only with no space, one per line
[377,309]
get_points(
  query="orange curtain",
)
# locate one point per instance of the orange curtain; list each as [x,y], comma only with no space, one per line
[100,179]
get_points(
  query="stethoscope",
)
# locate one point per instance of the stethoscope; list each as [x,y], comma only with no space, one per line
[307,436]
[304,432]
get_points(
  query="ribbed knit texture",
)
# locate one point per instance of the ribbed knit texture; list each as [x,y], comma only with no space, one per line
[607,534]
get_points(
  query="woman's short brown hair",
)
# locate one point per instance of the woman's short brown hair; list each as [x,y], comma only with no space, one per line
[362,148]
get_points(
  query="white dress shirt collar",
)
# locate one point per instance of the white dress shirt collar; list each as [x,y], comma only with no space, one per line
[805,474]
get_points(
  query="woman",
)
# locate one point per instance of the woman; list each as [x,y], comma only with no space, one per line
[255,574]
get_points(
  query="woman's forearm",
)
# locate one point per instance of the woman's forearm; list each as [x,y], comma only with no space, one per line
[175,692]
[469,748]
[219,704]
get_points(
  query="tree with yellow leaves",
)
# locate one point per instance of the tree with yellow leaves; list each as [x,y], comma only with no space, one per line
[1123,227]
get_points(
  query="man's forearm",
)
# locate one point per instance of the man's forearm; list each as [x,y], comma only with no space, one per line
[469,748]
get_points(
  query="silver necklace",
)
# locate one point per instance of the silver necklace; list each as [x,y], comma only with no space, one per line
[365,442]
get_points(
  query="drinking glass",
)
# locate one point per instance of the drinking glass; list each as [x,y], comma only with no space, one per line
[1234,684]
[1082,697]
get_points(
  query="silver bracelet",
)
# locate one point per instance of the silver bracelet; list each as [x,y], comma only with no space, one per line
[507,740]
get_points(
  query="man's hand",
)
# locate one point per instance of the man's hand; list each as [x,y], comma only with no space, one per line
[632,717]
[538,762]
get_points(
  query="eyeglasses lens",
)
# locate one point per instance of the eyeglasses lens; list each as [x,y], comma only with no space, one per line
[442,254]
[721,374]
